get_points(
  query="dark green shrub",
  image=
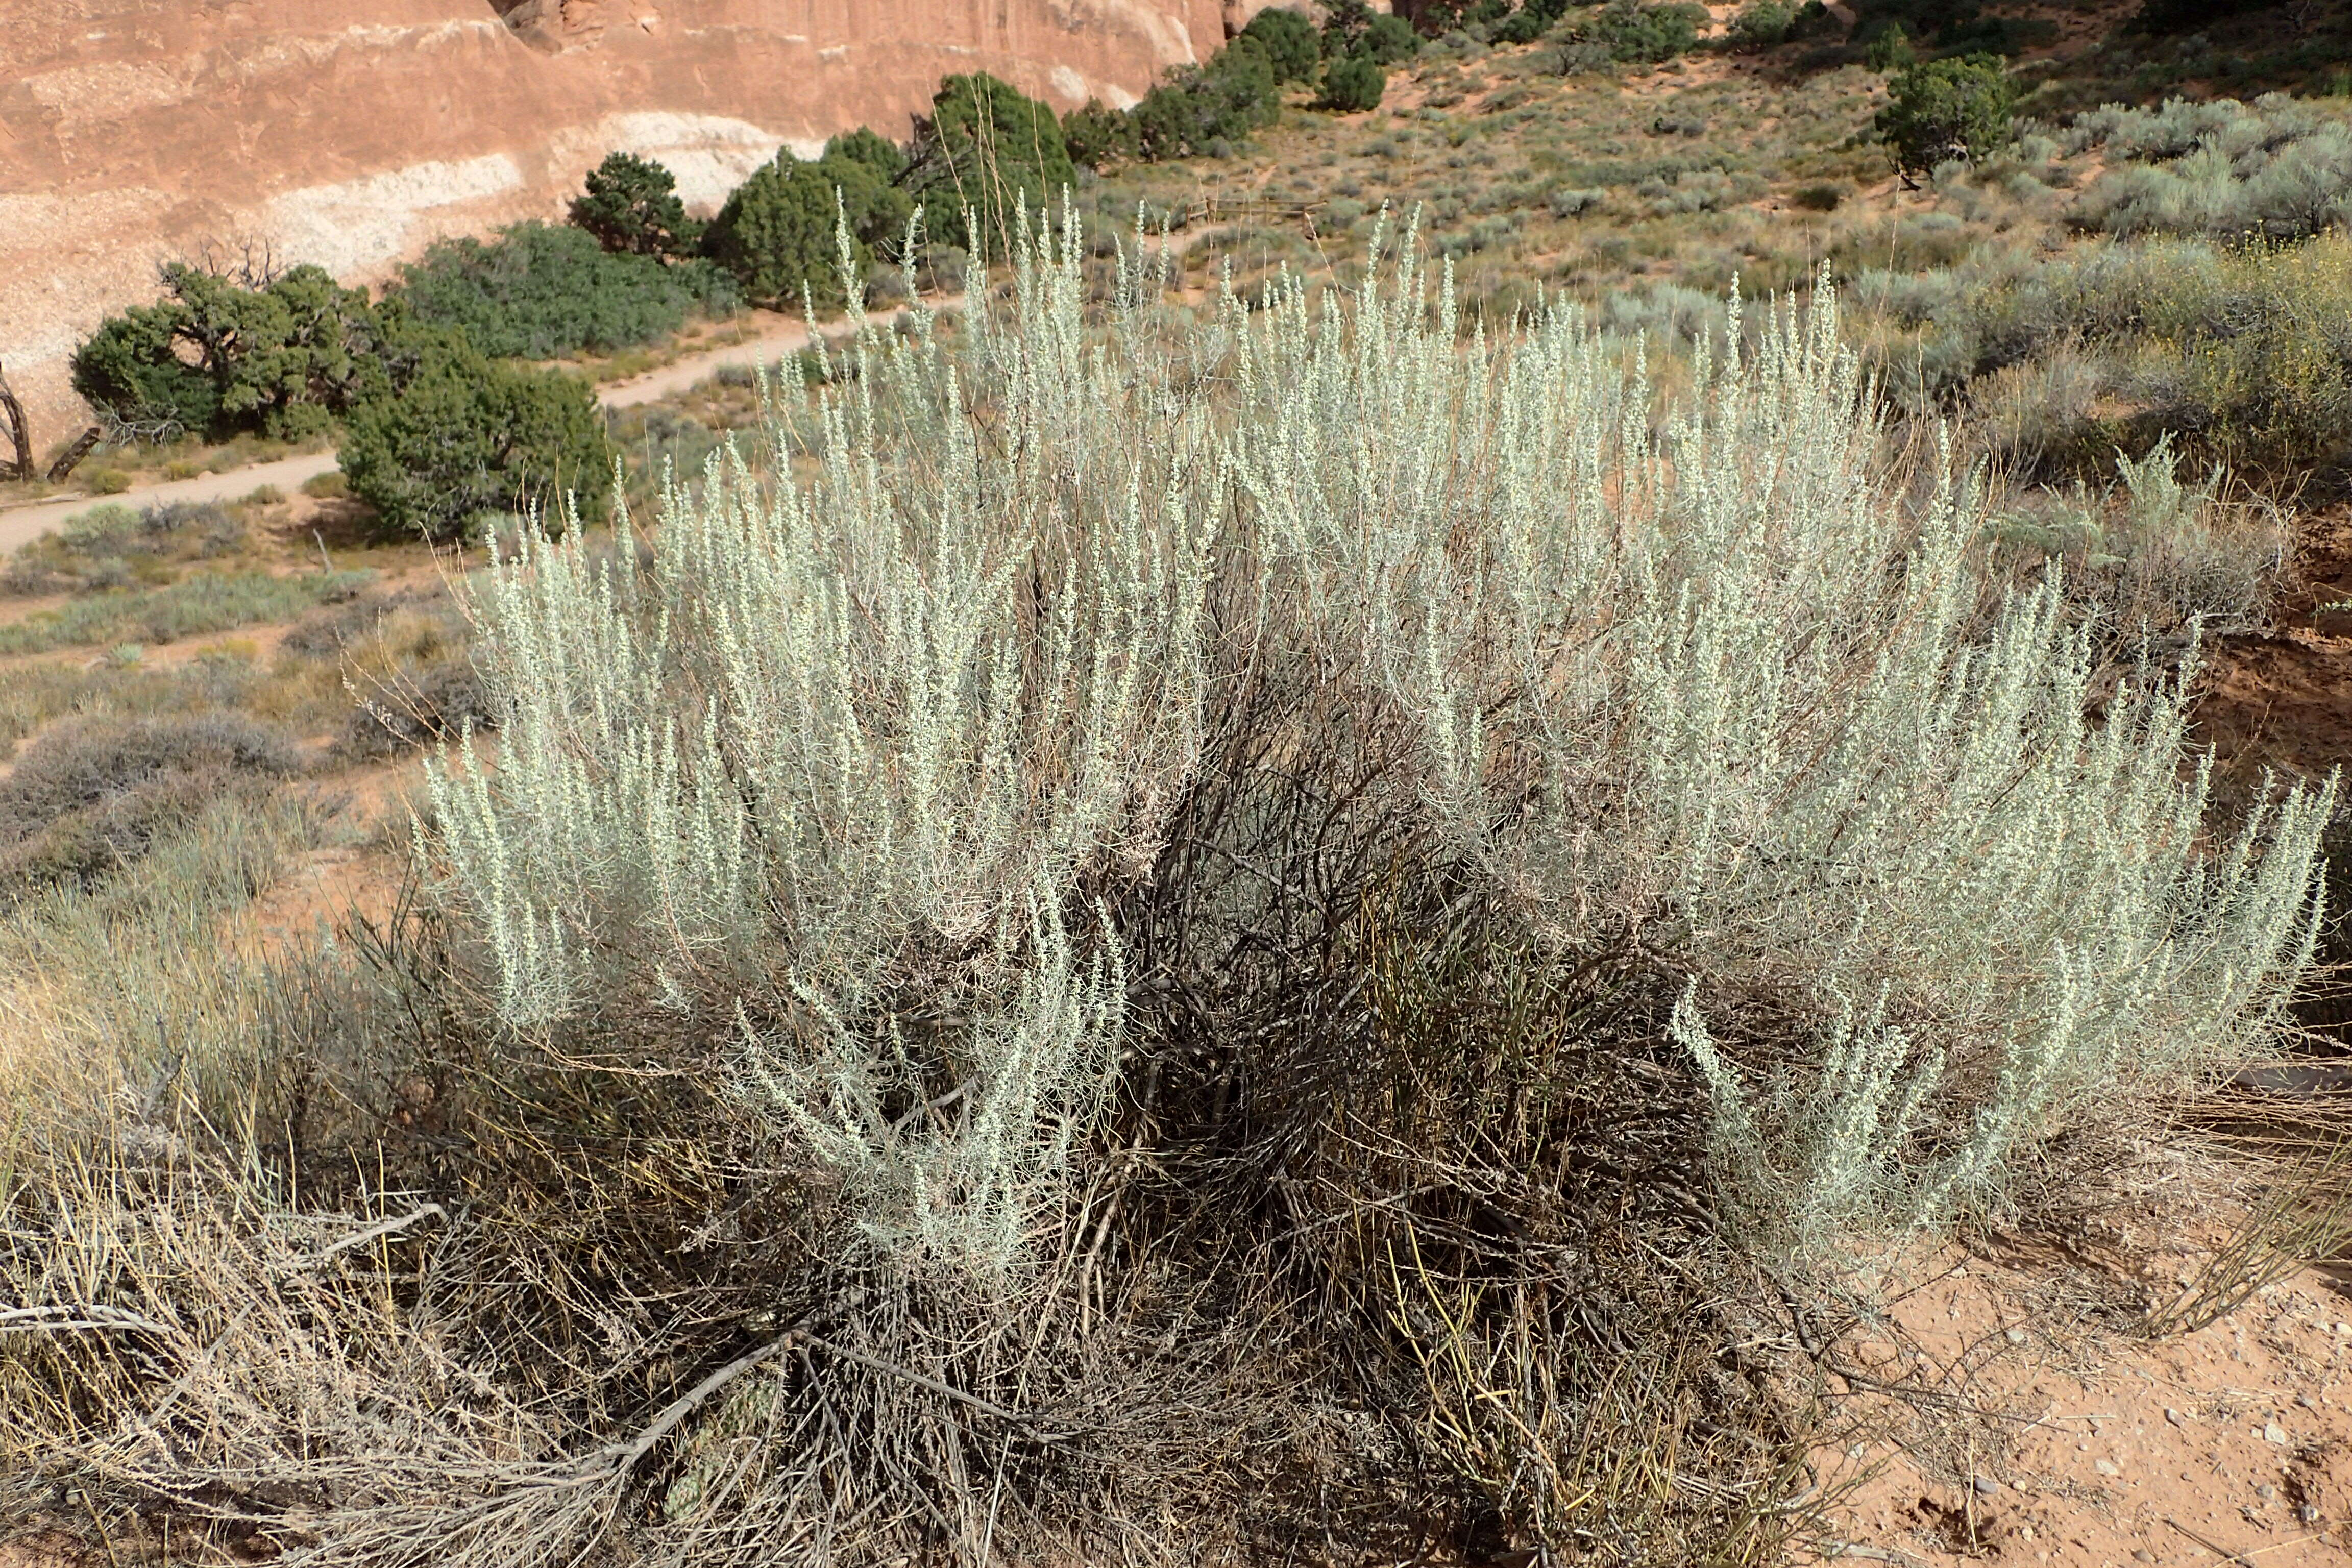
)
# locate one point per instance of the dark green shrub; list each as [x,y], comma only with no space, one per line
[1952,27]
[1531,21]
[1291,43]
[1352,30]
[631,206]
[1196,109]
[215,357]
[1635,34]
[777,232]
[469,436]
[1352,84]
[777,235]
[129,368]
[92,796]
[1892,51]
[1762,24]
[1097,135]
[987,151]
[547,292]
[869,169]
[1389,40]
[1946,109]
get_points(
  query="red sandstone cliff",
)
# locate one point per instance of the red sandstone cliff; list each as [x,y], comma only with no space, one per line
[353,132]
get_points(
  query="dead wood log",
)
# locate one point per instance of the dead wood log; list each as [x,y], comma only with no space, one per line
[74,454]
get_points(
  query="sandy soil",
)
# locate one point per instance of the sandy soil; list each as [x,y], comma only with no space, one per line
[2040,1435]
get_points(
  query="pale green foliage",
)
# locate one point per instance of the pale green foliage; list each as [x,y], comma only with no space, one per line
[1720,699]
[1039,1057]
[835,725]
[1720,695]
[2278,167]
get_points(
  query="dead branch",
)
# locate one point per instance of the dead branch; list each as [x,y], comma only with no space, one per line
[20,433]
[361,1237]
[73,455]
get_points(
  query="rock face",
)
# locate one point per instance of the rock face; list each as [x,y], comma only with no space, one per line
[354,132]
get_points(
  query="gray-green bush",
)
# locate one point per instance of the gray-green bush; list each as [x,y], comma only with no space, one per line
[2279,168]
[1801,757]
[1153,916]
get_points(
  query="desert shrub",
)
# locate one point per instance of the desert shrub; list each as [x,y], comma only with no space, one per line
[1637,34]
[548,291]
[2001,1068]
[1530,21]
[777,232]
[202,603]
[410,668]
[2241,354]
[468,436]
[89,796]
[1352,29]
[1291,44]
[1196,107]
[2275,169]
[986,150]
[1110,894]
[1959,107]
[631,206]
[1097,135]
[284,356]
[1870,1073]
[113,547]
[1762,24]
[1352,84]
[2158,553]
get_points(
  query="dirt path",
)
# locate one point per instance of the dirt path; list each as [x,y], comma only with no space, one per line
[22,525]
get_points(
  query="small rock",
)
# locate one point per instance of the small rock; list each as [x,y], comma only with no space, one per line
[2025,1532]
[2142,1555]
[2306,1401]
[2174,1416]
[2107,1468]
[2266,1492]
[2273,1433]
[2015,1336]
[1985,1486]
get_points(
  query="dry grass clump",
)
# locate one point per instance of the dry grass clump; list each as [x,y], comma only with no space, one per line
[113,547]
[405,658]
[91,796]
[2241,354]
[2278,169]
[1151,936]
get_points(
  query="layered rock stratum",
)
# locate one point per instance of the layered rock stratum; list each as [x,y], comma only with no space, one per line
[354,132]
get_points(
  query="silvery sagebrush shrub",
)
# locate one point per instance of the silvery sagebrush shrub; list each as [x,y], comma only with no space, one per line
[2278,168]
[1719,694]
[897,706]
[1723,698]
